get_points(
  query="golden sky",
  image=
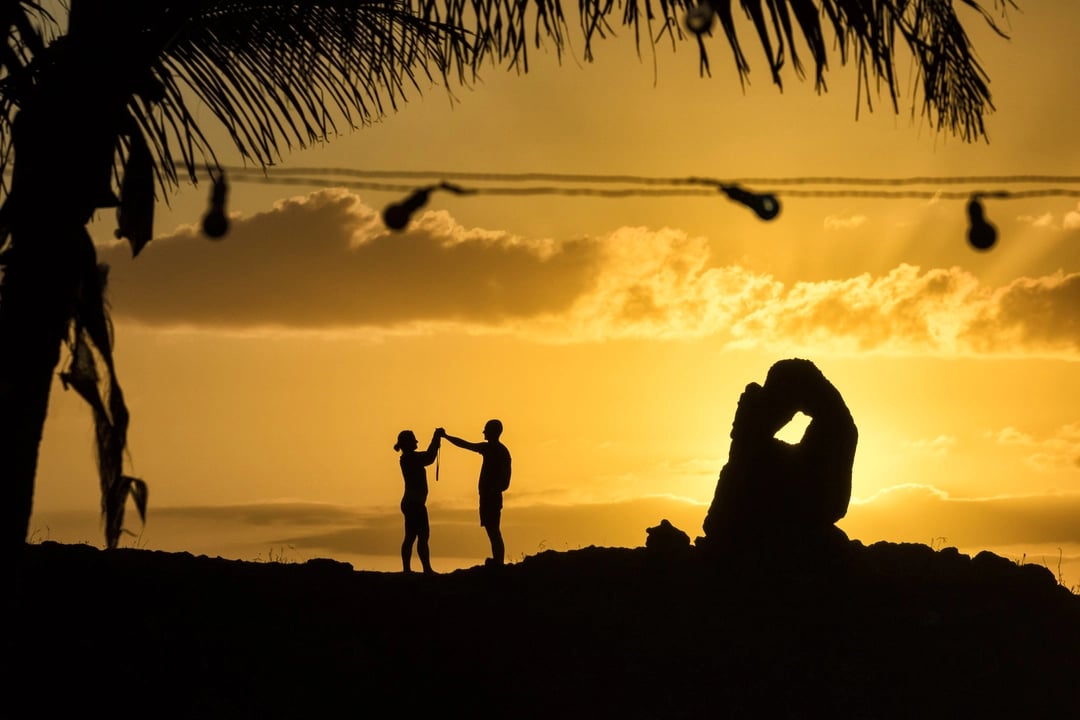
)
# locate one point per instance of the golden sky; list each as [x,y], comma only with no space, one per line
[268,374]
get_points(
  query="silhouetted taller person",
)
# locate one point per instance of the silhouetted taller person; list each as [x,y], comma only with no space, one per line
[494,480]
[414,501]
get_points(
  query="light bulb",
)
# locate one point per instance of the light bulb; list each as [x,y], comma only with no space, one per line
[216,223]
[398,215]
[981,235]
[699,19]
[765,205]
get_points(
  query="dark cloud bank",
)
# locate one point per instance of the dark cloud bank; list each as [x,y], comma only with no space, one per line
[325,262]
[913,514]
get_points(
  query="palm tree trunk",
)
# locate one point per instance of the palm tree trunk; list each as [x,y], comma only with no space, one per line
[64,137]
[37,295]
[46,215]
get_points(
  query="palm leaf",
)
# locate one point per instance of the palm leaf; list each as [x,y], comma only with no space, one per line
[92,374]
[280,75]
[27,28]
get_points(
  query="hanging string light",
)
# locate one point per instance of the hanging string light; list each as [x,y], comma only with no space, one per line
[981,235]
[699,19]
[397,215]
[764,205]
[216,222]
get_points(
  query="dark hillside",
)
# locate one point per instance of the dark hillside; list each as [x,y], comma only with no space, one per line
[886,631]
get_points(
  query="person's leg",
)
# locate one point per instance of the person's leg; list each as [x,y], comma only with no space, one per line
[406,552]
[490,514]
[423,553]
[423,533]
[410,536]
[495,536]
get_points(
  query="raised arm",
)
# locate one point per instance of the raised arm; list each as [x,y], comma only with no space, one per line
[464,444]
[432,448]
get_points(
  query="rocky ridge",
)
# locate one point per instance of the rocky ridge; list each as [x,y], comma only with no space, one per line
[881,631]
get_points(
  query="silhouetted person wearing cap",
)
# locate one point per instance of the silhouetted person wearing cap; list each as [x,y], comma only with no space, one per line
[494,480]
[414,501]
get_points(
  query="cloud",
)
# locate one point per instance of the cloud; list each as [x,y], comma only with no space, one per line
[263,514]
[1059,451]
[656,284]
[936,447]
[1046,220]
[324,261]
[1030,315]
[315,529]
[917,513]
[911,311]
[1072,219]
[836,222]
[905,513]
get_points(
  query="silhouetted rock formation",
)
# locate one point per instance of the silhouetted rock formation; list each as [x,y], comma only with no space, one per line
[666,540]
[776,493]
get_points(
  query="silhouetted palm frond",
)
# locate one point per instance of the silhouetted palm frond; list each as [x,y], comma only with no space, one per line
[27,29]
[283,74]
[279,73]
[868,33]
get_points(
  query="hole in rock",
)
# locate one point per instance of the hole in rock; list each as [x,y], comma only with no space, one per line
[792,433]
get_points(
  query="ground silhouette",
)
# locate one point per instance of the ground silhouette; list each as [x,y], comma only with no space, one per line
[884,631]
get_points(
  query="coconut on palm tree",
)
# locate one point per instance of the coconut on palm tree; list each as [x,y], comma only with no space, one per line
[95,99]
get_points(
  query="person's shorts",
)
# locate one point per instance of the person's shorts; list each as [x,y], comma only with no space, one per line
[416,519]
[490,510]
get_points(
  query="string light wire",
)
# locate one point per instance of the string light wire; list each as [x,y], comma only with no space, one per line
[570,184]
[982,235]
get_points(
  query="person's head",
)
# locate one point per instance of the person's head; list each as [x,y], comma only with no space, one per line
[492,430]
[405,441]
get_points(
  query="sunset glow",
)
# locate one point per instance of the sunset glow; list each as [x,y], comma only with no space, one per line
[268,374]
